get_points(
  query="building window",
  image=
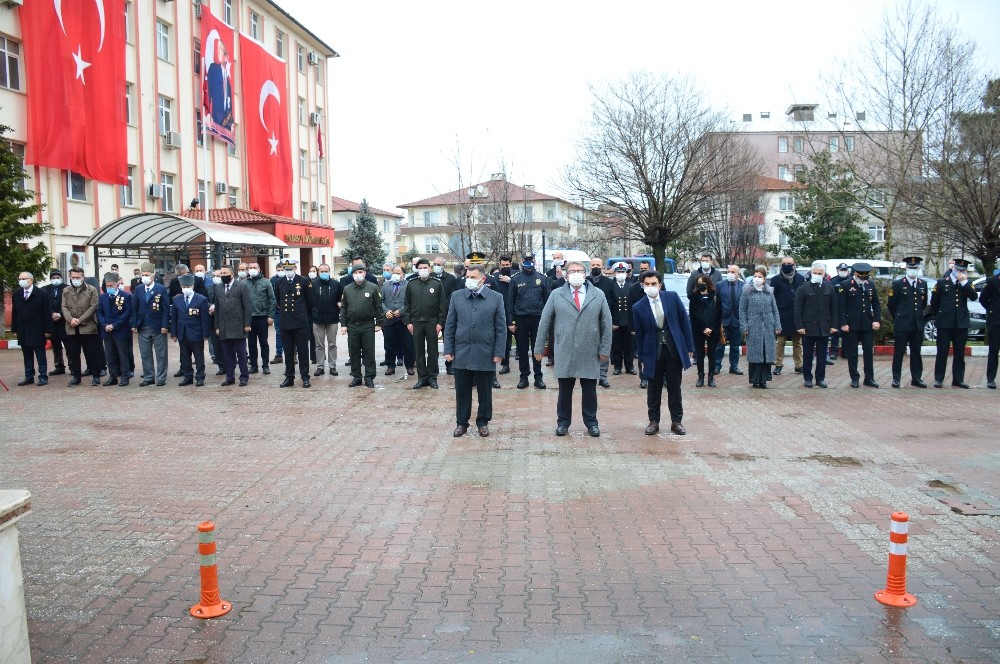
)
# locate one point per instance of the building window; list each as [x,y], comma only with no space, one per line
[198,128]
[528,212]
[876,233]
[126,193]
[76,186]
[128,22]
[233,196]
[322,170]
[782,144]
[798,144]
[876,198]
[227,11]
[431,245]
[166,123]
[849,143]
[162,40]
[800,171]
[231,149]
[430,218]
[18,149]
[550,211]
[197,56]
[302,164]
[302,111]
[279,43]
[782,240]
[10,69]
[128,103]
[834,144]
[167,192]
[786,203]
[300,56]
[202,200]
[303,211]
[385,225]
[322,214]
[255,26]
[784,173]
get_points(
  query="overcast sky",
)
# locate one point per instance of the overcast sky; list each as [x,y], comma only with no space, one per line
[508,82]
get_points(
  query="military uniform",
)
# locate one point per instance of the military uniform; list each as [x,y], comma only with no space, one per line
[294,299]
[622,344]
[425,309]
[361,313]
[950,306]
[907,302]
[860,309]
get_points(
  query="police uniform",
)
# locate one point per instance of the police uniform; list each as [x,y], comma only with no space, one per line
[835,339]
[293,301]
[528,293]
[860,309]
[950,306]
[907,302]
[622,348]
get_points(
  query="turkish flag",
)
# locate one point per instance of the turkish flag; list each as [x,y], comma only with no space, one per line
[265,118]
[74,60]
[217,76]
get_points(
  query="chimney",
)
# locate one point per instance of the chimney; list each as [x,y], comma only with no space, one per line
[529,187]
[499,176]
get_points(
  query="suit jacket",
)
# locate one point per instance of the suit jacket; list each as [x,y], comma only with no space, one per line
[116,311]
[647,335]
[815,309]
[190,322]
[476,329]
[394,302]
[729,295]
[32,318]
[784,297]
[580,335]
[233,312]
[990,298]
[151,307]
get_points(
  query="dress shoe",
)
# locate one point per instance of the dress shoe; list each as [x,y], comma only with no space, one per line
[652,428]
[278,358]
[798,370]
[833,355]
[243,383]
[333,371]
[96,380]
[522,384]
[460,430]
[87,372]
[918,383]
[60,371]
[123,382]
[319,372]
[807,383]
[369,383]
[383,363]
[228,382]
[161,383]
[701,381]
[410,371]
[711,380]
[736,371]
[305,382]
[288,382]
[104,372]
[830,363]
[938,384]
[594,431]
[114,381]
[420,383]
[355,382]
[562,430]
[347,362]
[604,383]
[199,383]
[496,384]
[821,383]
[179,374]
[678,428]
[643,383]
[220,372]
[855,383]
[895,383]
[617,372]
[990,384]
[391,371]
[266,370]
[74,382]
[539,384]
[504,370]
[763,384]
[433,383]
[631,372]
[186,382]
[870,382]
[43,381]
[718,369]
[484,431]
[145,383]
[26,381]
[253,370]
[776,371]
[449,371]
[960,384]
[399,363]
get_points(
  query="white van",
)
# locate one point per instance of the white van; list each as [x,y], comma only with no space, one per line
[568,255]
[880,268]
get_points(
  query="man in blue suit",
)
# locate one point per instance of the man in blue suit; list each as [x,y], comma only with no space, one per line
[665,346]
[151,320]
[114,322]
[730,289]
[191,325]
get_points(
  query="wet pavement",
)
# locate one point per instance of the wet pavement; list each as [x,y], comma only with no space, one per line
[352,526]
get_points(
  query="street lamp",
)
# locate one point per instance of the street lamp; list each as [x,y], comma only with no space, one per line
[543,249]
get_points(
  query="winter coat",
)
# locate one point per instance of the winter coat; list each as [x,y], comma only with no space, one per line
[759,318]
[31,318]
[816,309]
[784,297]
[80,303]
[325,302]
[580,335]
[261,294]
[475,331]
[705,312]
[233,311]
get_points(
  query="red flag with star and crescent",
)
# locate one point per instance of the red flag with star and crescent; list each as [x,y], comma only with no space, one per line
[74,60]
[265,119]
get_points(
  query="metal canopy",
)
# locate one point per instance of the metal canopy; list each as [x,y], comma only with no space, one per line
[168,231]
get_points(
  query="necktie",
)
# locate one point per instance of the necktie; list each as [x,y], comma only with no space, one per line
[227,289]
[576,298]
[187,301]
[658,312]
[25,295]
[395,290]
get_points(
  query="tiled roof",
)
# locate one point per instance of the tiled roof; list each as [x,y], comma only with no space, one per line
[343,205]
[237,216]
[494,190]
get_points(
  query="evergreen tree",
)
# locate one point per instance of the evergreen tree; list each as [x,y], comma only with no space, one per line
[365,240]
[15,228]
[826,223]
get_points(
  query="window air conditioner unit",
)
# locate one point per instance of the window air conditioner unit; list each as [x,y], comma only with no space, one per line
[154,191]
[197,10]
[313,58]
[314,119]
[172,140]
[221,187]
[71,259]
[315,206]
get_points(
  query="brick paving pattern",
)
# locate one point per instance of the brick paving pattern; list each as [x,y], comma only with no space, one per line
[353,528]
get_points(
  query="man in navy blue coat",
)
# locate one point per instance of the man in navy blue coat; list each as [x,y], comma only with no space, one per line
[665,347]
[785,285]
[151,320]
[191,325]
[114,322]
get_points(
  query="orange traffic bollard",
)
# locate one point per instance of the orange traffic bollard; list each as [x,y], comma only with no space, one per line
[894,593]
[211,606]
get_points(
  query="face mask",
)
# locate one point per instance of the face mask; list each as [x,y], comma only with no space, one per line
[788,269]
[528,266]
[816,278]
[200,274]
[595,271]
[227,278]
[438,269]
[706,266]
[145,280]
[472,284]
[620,277]
[112,291]
[395,278]
[57,282]
[423,273]
[23,283]
[505,271]
[358,277]
[703,288]
[242,274]
[576,279]
[651,291]
[253,272]
[188,292]
[860,279]
[758,281]
[217,281]
[312,275]
[730,277]
[843,273]
[910,272]
[386,274]
[76,282]
[324,276]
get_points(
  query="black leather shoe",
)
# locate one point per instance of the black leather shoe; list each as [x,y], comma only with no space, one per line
[200,383]
[918,383]
[678,428]
[161,383]
[562,430]
[266,370]
[288,382]
[604,383]
[186,382]
[87,372]
[26,381]
[383,363]
[895,384]
[369,383]
[60,371]
[961,384]
[776,371]
[355,382]
[855,383]
[992,385]
[711,380]
[643,384]
[496,384]
[701,381]
[631,372]
[243,383]
[114,381]
[277,359]
[798,370]
[433,383]
[870,382]
[652,428]
[43,381]
[96,380]
[420,383]
[145,383]
[539,384]
[504,370]
[347,362]
[616,372]
[76,381]
[484,431]
[227,383]
[594,431]
[830,363]
[938,384]
[807,383]
[821,383]
[460,430]
[319,372]
[220,372]
[449,371]
[391,371]
[737,372]
[306,383]
[522,384]
[253,370]
[179,373]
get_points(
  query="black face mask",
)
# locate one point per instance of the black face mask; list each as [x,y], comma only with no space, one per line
[595,271]
[788,269]
[227,279]
[505,271]
[703,288]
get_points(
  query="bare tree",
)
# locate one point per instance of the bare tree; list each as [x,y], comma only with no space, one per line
[902,91]
[732,224]
[656,152]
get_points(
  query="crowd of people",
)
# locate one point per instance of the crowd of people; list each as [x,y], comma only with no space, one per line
[573,318]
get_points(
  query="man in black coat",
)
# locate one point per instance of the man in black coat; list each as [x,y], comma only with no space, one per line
[175,284]
[32,323]
[907,302]
[527,294]
[449,284]
[292,295]
[705,268]
[990,299]
[604,285]
[54,289]
[860,314]
[950,306]
[785,284]
[501,284]
[622,343]
[843,275]
[816,318]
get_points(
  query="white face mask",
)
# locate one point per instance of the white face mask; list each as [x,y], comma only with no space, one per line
[438,269]
[23,283]
[816,278]
[217,280]
[620,277]
[472,284]
[358,277]
[843,273]
[200,274]
[188,292]
[253,272]
[76,282]
[146,280]
[423,273]
[758,281]
[57,282]
[912,272]
[651,291]
[395,278]
[730,276]
[576,279]
[313,275]
[706,266]
[242,274]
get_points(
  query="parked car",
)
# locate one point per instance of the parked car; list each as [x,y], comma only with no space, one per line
[977,314]
[678,284]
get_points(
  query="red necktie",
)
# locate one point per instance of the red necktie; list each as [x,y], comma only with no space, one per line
[576,298]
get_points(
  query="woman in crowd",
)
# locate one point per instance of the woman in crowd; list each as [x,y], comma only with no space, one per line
[705,310]
[761,324]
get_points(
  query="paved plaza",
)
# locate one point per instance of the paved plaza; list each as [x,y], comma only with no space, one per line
[352,527]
